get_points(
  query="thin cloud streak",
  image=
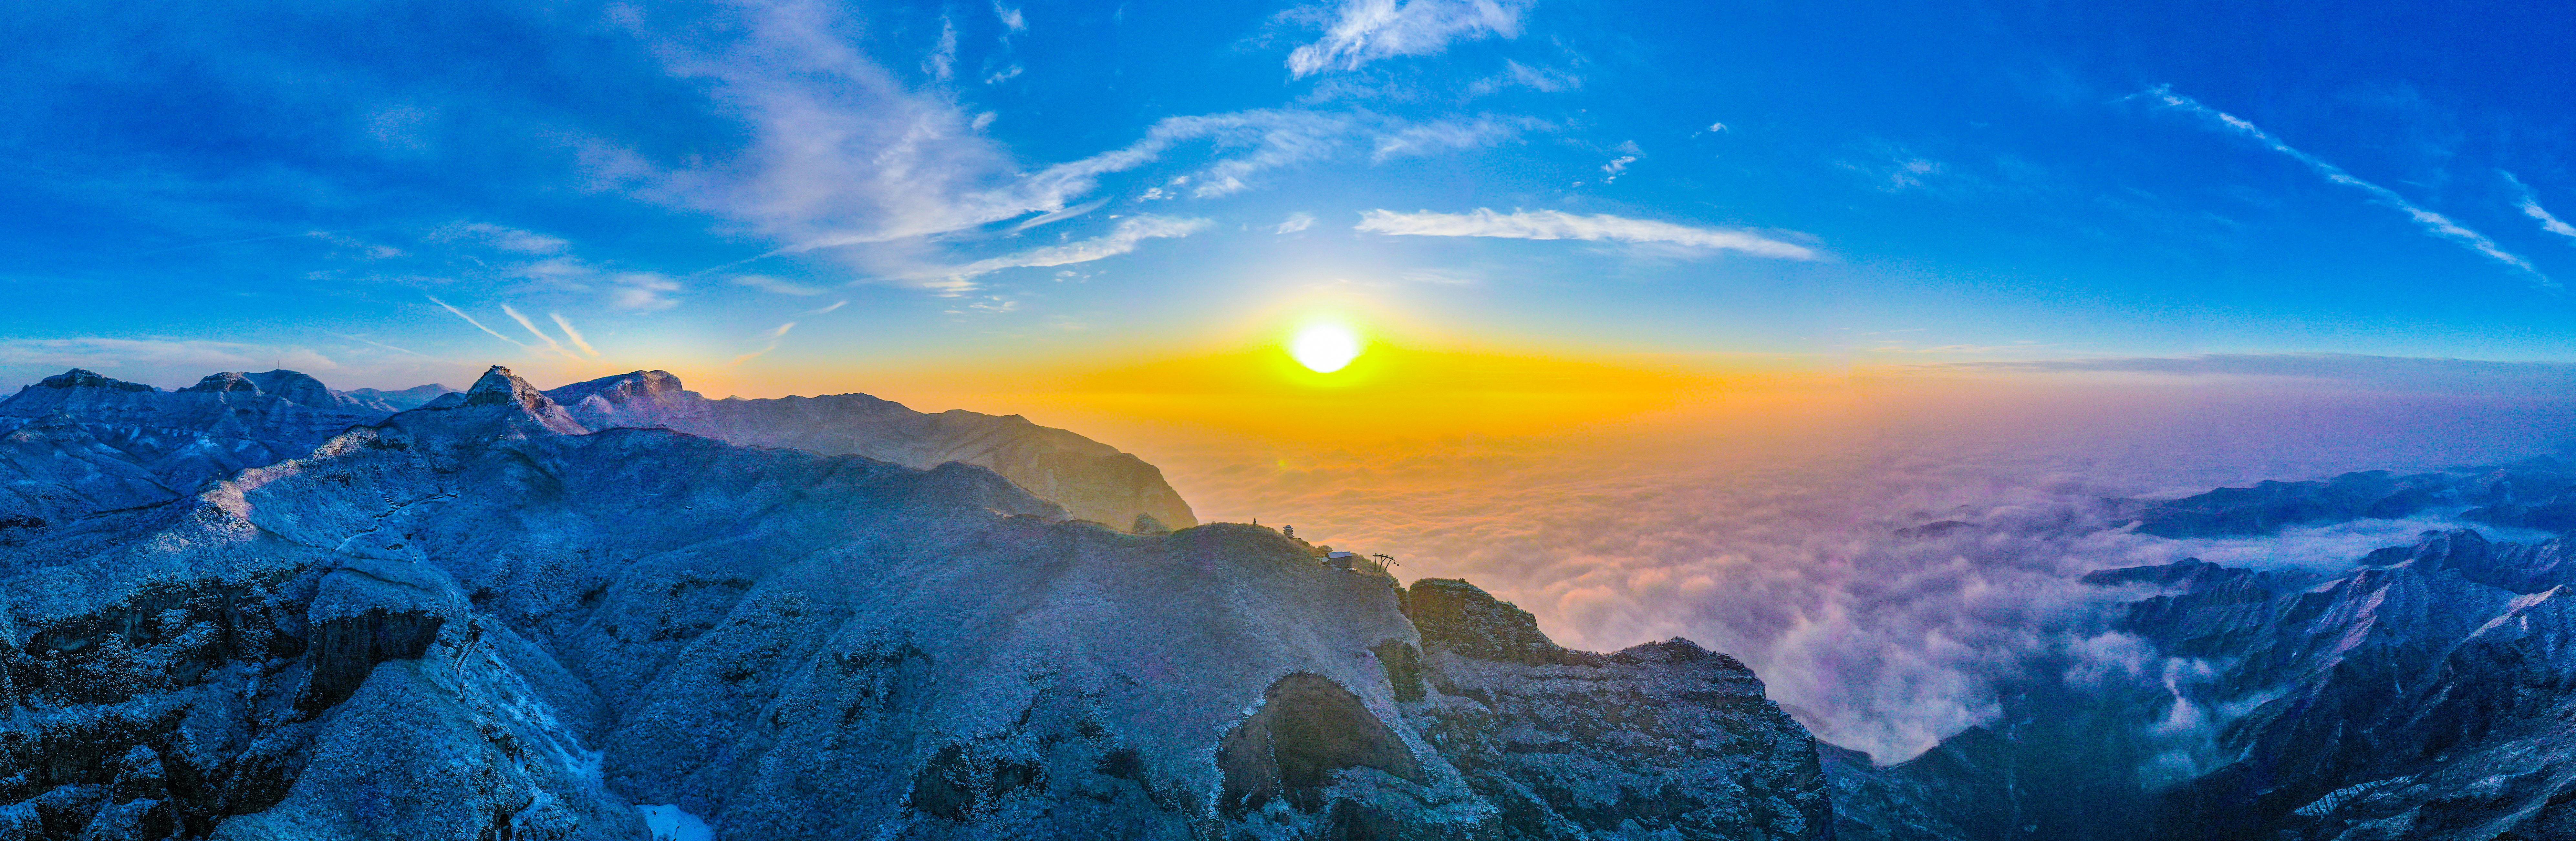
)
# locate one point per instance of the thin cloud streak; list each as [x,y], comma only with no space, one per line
[551,344]
[2432,223]
[575,335]
[775,335]
[477,324]
[1552,224]
[1369,30]
[2530,206]
[389,347]
[1121,240]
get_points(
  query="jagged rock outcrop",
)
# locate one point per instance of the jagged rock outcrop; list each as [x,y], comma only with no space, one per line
[1658,740]
[478,620]
[1092,480]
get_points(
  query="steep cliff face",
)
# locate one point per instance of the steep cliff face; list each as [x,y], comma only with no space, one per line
[475,620]
[1659,740]
[1092,480]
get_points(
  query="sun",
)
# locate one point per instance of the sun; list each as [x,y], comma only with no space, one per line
[1325,346]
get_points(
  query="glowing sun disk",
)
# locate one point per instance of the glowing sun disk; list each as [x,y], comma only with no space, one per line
[1324,347]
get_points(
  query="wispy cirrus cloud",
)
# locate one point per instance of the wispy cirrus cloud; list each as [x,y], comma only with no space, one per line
[766,283]
[1120,240]
[575,335]
[501,237]
[1369,30]
[2436,224]
[2529,204]
[1552,224]
[478,325]
[773,336]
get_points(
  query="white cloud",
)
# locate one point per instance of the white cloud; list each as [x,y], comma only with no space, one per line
[1013,20]
[941,64]
[551,344]
[844,154]
[1551,224]
[2433,223]
[478,325]
[577,339]
[1516,74]
[1296,222]
[643,291]
[1762,527]
[1448,135]
[499,236]
[2530,205]
[363,249]
[770,284]
[1059,216]
[774,336]
[1369,30]
[1610,171]
[1120,240]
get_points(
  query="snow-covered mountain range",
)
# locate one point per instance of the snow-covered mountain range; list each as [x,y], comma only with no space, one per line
[480,618]
[259,608]
[2424,692]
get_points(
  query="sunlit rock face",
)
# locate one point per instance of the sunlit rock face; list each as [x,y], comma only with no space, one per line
[2425,693]
[478,620]
[1092,480]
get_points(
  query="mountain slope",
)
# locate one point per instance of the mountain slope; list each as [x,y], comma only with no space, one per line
[2423,694]
[1092,480]
[475,620]
[78,442]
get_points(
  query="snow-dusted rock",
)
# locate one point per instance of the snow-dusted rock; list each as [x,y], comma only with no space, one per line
[1092,480]
[478,620]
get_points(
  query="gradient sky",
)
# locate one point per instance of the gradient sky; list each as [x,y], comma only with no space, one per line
[1678,310]
[339,187]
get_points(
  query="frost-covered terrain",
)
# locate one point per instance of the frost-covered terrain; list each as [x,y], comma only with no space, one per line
[481,619]
[85,442]
[2424,692]
[1091,480]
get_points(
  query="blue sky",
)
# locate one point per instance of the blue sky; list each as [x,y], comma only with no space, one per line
[381,193]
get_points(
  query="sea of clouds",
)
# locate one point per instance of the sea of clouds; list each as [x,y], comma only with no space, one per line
[1768,530]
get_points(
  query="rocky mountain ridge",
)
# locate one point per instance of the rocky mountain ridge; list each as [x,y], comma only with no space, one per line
[480,619]
[1093,480]
[2420,694]
[2537,493]
[95,443]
